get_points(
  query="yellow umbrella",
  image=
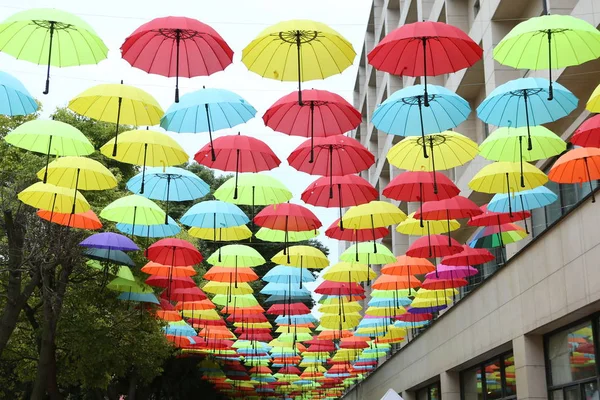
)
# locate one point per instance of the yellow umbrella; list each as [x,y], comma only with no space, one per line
[447,150]
[428,303]
[385,311]
[593,104]
[299,50]
[231,234]
[301,257]
[412,226]
[349,272]
[433,294]
[273,235]
[227,288]
[340,321]
[350,307]
[505,177]
[118,104]
[45,196]
[210,315]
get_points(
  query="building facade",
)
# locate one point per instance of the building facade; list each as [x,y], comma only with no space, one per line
[527,327]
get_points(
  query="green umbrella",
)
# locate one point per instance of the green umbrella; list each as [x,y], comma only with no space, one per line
[50,137]
[506,144]
[364,253]
[273,235]
[51,37]
[134,209]
[125,285]
[547,42]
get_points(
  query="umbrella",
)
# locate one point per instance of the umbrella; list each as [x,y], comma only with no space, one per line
[86,220]
[488,218]
[153,268]
[48,197]
[408,266]
[133,209]
[146,148]
[408,113]
[418,227]
[302,257]
[505,144]
[50,137]
[468,256]
[168,184]
[117,104]
[418,186]
[577,166]
[234,256]
[447,150]
[114,256]
[237,153]
[588,133]
[273,235]
[547,42]
[207,110]
[151,231]
[339,191]
[433,246]
[450,272]
[174,252]
[349,272]
[525,102]
[31,35]
[425,49]
[507,177]
[363,253]
[593,103]
[223,274]
[321,114]
[530,199]
[299,50]
[17,99]
[161,45]
[498,236]
[214,214]
[109,241]
[354,235]
[333,156]
[77,173]
[231,234]
[225,288]
[285,274]
[395,282]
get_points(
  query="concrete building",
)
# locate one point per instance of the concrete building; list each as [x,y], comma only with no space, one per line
[517,332]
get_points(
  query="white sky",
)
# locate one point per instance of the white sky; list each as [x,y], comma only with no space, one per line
[238,22]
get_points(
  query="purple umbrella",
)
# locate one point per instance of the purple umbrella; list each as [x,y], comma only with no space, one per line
[452,272]
[110,241]
[426,310]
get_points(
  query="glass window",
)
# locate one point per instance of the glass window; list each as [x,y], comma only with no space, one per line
[510,382]
[472,386]
[430,392]
[492,380]
[571,355]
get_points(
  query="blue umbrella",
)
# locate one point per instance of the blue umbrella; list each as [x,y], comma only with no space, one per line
[389,302]
[284,275]
[372,322]
[207,110]
[296,319]
[113,256]
[151,231]
[282,299]
[404,113]
[179,330]
[292,291]
[524,102]
[214,214]
[168,184]
[406,324]
[538,197]
[139,297]
[16,99]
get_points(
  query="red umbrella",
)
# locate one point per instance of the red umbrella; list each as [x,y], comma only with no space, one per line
[287,217]
[241,330]
[288,309]
[350,190]
[355,235]
[469,256]
[237,153]
[425,49]
[354,342]
[246,317]
[87,220]
[333,156]
[187,294]
[408,317]
[339,288]
[321,113]
[203,323]
[489,218]
[183,282]
[174,252]
[434,246]
[177,46]
[588,133]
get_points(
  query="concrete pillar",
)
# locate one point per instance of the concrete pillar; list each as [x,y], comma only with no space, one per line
[530,368]
[409,395]
[450,385]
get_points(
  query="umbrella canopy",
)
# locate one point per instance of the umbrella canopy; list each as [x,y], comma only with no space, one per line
[223,274]
[419,227]
[301,50]
[363,253]
[112,256]
[577,166]
[525,102]
[530,199]
[109,240]
[236,255]
[408,266]
[588,133]
[174,252]
[154,268]
[86,220]
[339,288]
[354,235]
[151,231]
[48,197]
[226,287]
[133,209]
[451,272]
[207,110]
[487,218]
[285,274]
[18,100]
[407,113]
[301,257]
[434,246]
[507,177]
[395,282]
[498,236]
[373,215]
[230,234]
[468,256]
[349,272]
[418,186]
[287,217]
[322,113]
[272,235]
[117,104]
[549,42]
[453,208]
[52,37]
[253,189]
[177,46]
[593,103]
[214,214]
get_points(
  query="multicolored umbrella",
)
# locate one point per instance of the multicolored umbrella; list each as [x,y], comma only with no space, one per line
[177,46]
[18,100]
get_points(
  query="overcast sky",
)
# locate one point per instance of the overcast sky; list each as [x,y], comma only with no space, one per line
[238,22]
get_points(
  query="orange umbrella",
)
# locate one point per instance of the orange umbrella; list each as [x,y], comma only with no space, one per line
[577,166]
[153,268]
[394,282]
[407,266]
[86,220]
[224,274]
[168,315]
[205,304]
[245,310]
[334,334]
[179,341]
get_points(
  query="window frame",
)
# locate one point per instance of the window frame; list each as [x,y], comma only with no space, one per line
[428,388]
[481,366]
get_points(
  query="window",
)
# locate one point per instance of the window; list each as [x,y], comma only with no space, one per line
[476,8]
[491,380]
[430,392]
[571,362]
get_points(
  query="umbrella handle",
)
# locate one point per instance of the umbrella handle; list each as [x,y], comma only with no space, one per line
[144,168]
[422,128]
[75,195]
[587,170]
[299,69]
[426,102]
[177,40]
[550,91]
[529,143]
[47,89]
[47,160]
[212,149]
[312,130]
[114,152]
[435,188]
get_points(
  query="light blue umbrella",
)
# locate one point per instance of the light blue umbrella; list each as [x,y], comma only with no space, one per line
[139,297]
[151,231]
[168,184]
[14,97]
[405,324]
[373,322]
[296,319]
[292,290]
[214,214]
[179,330]
[389,302]
[207,110]
[524,102]
[284,275]
[538,197]
[404,113]
[273,299]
